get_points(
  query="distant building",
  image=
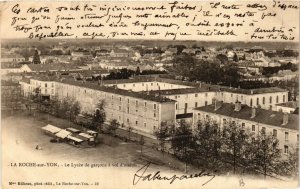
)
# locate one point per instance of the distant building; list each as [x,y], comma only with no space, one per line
[14,58]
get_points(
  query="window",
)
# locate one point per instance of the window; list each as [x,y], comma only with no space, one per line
[176,106]
[196,104]
[136,122]
[124,85]
[136,103]
[253,127]
[277,99]
[224,121]
[45,84]
[251,102]
[154,106]
[274,132]
[231,95]
[297,138]
[112,97]
[151,84]
[243,125]
[175,97]
[286,149]
[154,115]
[128,110]
[120,99]
[196,95]
[133,85]
[128,100]
[270,100]
[52,91]
[205,94]
[257,101]
[119,107]
[263,130]
[286,136]
[154,127]
[264,100]
[127,120]
[205,103]
[52,84]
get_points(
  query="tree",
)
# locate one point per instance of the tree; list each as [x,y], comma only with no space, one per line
[182,139]
[129,129]
[99,116]
[36,58]
[114,125]
[289,165]
[142,142]
[223,58]
[266,153]
[235,139]
[235,58]
[138,71]
[208,140]
[161,134]
[74,110]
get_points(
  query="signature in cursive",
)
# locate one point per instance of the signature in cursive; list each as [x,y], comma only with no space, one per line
[141,175]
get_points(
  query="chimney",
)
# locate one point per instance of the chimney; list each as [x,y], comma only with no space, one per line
[218,104]
[253,112]
[251,91]
[285,119]
[237,106]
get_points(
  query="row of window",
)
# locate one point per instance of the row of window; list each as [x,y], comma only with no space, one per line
[136,102]
[263,129]
[264,100]
[196,95]
[136,123]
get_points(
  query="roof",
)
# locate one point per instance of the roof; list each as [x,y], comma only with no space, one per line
[85,135]
[290,104]
[95,86]
[180,91]
[91,132]
[51,67]
[73,130]
[253,91]
[63,134]
[51,128]
[120,51]
[263,116]
[74,138]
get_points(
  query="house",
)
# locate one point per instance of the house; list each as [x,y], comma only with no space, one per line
[15,58]
[48,67]
[170,51]
[119,53]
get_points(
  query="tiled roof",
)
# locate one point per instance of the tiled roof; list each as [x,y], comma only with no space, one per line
[290,104]
[51,67]
[267,117]
[179,91]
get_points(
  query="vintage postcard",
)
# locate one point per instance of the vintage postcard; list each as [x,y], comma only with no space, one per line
[149,94]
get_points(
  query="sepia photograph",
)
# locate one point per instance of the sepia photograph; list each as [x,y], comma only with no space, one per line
[149,94]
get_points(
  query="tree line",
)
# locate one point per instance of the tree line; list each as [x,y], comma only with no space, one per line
[230,147]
